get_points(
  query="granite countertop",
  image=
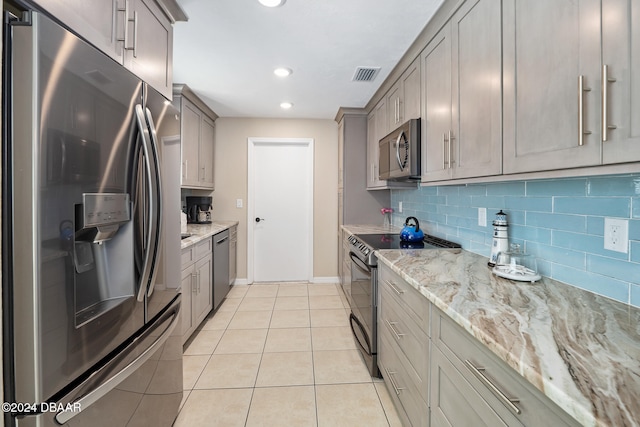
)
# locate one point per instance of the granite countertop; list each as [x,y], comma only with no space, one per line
[199,232]
[578,348]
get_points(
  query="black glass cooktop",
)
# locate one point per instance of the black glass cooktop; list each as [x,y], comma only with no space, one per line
[392,241]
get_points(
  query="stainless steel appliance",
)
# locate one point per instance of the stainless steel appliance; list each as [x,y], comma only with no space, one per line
[199,209]
[90,335]
[399,154]
[221,285]
[362,288]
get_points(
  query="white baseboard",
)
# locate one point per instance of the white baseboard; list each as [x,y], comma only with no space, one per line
[329,279]
[241,282]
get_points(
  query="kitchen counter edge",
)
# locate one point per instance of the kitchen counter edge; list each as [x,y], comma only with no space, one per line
[200,232]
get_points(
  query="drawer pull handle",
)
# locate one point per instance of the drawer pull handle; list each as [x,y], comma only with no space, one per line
[393,382]
[391,326]
[394,287]
[478,372]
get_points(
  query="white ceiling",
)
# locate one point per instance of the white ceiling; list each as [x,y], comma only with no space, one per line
[228,49]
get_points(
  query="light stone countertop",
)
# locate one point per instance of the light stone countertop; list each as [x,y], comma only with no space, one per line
[580,349]
[199,232]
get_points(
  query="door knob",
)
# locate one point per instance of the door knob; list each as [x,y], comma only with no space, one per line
[259,219]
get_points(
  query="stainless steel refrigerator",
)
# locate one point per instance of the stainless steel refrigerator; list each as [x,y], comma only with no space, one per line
[91,330]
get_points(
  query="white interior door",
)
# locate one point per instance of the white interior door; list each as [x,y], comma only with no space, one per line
[280,222]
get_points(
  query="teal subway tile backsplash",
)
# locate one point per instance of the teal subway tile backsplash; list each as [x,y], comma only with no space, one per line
[602,206]
[559,221]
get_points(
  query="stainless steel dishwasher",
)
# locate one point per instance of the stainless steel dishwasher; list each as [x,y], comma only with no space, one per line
[220,267]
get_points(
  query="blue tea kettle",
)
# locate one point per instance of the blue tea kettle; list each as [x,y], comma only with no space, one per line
[411,232]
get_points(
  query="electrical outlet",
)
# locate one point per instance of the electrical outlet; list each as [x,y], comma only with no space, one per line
[482,217]
[399,207]
[238,203]
[616,235]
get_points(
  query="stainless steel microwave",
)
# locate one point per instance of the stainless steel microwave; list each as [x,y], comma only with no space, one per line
[399,155]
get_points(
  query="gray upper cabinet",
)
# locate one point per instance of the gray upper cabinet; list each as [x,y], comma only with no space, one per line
[620,28]
[197,139]
[462,127]
[436,96]
[549,47]
[403,99]
[149,48]
[135,33]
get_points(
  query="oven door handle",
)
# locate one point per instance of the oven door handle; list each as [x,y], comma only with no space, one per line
[360,264]
[353,319]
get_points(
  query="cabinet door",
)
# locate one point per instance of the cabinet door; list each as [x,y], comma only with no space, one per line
[372,153]
[381,126]
[190,131]
[207,143]
[203,303]
[394,100]
[548,45]
[99,22]
[476,89]
[621,54]
[410,101]
[436,123]
[188,288]
[150,53]
[341,154]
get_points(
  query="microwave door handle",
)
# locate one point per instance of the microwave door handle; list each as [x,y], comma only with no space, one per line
[156,209]
[146,155]
[398,150]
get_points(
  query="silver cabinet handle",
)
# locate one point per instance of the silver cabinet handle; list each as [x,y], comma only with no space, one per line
[126,23]
[204,173]
[391,325]
[581,91]
[393,382]
[605,101]
[444,150]
[450,138]
[198,273]
[194,284]
[478,372]
[135,34]
[393,286]
[184,170]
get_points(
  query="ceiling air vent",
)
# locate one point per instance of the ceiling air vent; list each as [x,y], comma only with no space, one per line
[365,74]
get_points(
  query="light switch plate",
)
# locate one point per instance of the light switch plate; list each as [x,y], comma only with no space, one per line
[616,234]
[238,203]
[399,207]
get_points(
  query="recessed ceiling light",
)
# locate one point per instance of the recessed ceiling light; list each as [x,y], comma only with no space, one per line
[272,3]
[286,105]
[282,72]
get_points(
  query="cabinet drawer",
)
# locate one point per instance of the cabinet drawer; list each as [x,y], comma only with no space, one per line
[203,248]
[455,403]
[403,385]
[484,371]
[188,256]
[405,295]
[407,335]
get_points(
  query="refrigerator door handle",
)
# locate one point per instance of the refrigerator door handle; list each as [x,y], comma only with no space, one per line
[150,244]
[157,191]
[105,387]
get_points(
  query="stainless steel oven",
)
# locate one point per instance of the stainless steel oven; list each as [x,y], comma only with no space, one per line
[363,287]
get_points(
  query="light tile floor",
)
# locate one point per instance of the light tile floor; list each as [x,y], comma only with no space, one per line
[280,355]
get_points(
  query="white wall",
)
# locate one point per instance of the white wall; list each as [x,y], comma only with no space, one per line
[231,181]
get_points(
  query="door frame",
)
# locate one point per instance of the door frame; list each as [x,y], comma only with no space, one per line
[253,142]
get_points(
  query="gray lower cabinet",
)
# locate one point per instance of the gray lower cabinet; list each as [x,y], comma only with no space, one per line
[197,273]
[471,386]
[220,267]
[403,346]
[439,375]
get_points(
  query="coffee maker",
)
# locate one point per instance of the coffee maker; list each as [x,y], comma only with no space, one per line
[199,209]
